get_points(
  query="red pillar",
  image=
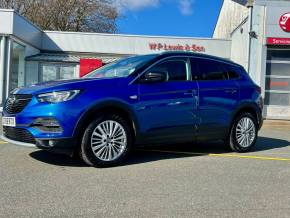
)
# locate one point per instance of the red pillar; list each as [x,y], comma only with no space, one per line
[88,65]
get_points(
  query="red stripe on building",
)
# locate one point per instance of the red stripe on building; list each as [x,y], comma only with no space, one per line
[281,84]
[278,41]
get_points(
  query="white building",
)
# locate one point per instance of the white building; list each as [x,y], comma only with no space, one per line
[254,34]
[261,43]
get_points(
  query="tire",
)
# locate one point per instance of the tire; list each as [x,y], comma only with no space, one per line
[110,137]
[243,134]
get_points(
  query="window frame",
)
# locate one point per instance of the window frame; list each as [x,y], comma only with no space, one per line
[222,64]
[136,79]
[186,60]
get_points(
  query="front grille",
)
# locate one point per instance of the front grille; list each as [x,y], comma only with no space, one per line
[17,134]
[16,103]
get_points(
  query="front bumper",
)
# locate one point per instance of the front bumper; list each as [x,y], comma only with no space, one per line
[29,131]
[61,146]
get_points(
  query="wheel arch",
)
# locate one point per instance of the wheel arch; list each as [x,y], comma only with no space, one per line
[109,106]
[248,108]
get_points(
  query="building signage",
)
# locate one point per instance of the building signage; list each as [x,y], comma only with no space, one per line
[284,22]
[278,41]
[178,47]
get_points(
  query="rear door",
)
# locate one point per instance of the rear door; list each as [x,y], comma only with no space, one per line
[218,97]
[167,110]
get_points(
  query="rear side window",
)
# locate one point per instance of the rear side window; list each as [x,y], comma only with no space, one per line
[206,69]
[211,70]
[233,72]
[176,69]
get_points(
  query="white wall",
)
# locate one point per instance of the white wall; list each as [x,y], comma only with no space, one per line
[258,47]
[240,42]
[231,15]
[125,44]
[6,21]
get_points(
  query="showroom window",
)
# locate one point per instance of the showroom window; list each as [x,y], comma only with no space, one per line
[278,77]
[50,71]
[17,74]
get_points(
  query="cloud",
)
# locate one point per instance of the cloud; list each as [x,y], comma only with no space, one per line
[135,5]
[186,7]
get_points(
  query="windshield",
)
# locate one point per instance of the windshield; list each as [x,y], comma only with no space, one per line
[121,68]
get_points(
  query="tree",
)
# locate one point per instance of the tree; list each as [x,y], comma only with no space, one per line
[68,15]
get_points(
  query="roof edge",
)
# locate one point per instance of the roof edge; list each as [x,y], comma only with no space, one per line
[132,35]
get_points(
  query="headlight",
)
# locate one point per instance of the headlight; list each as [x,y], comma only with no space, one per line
[56,97]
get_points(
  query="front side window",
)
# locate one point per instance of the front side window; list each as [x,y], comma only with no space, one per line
[121,68]
[175,69]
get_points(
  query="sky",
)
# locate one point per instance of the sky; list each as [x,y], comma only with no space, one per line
[189,18]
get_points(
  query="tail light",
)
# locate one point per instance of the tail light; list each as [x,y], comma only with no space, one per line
[258,88]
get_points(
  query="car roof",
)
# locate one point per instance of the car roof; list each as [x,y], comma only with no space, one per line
[198,55]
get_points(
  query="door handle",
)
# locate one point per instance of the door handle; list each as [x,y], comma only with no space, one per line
[196,102]
[190,92]
[231,91]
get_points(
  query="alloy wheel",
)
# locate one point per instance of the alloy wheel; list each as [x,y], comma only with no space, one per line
[245,132]
[108,140]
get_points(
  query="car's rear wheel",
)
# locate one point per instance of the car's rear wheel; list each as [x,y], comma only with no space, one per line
[106,141]
[244,133]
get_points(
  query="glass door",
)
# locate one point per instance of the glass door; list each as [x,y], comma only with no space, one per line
[278,78]
[17,76]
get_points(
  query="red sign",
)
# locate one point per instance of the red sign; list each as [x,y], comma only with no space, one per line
[284,22]
[167,47]
[88,65]
[278,41]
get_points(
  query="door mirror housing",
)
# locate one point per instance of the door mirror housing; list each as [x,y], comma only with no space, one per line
[154,77]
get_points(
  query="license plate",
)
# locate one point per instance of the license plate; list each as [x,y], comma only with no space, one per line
[8,121]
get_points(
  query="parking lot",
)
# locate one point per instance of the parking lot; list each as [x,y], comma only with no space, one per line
[173,181]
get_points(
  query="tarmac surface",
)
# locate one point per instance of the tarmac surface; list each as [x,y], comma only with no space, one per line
[204,180]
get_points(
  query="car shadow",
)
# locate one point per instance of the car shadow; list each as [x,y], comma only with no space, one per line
[157,153]
[57,159]
[266,143]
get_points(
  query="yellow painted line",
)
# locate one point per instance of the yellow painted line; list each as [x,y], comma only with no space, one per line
[2,142]
[173,152]
[249,157]
[221,155]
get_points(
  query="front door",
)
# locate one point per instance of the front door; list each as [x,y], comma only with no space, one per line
[167,110]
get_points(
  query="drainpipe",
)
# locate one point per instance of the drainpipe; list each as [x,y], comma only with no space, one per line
[2,68]
[250,7]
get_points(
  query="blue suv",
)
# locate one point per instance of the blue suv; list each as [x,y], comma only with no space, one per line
[171,97]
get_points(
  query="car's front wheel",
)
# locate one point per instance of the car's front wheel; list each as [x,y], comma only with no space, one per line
[106,141]
[244,133]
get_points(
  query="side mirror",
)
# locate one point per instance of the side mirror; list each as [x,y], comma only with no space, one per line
[154,77]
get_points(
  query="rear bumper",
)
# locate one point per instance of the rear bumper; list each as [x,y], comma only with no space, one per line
[260,121]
